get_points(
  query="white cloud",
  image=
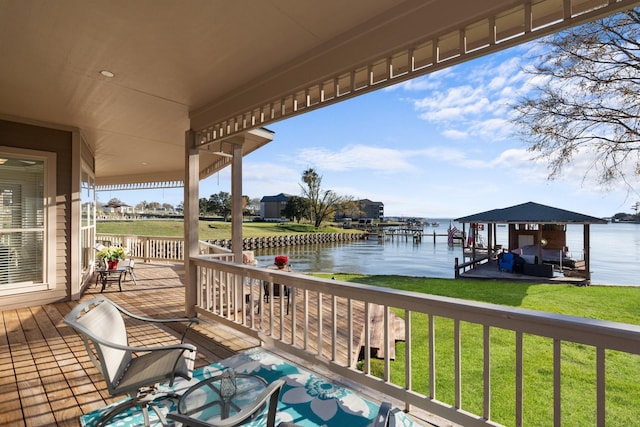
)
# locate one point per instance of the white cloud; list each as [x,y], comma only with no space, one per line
[428,82]
[355,157]
[455,134]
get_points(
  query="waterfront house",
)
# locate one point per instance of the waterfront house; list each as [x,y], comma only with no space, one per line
[130,95]
[372,209]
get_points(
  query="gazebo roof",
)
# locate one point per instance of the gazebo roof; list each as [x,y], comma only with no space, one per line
[530,212]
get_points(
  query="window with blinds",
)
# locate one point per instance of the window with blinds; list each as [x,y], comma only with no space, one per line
[22,221]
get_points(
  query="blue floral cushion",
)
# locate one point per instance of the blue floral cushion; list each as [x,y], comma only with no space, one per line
[306,399]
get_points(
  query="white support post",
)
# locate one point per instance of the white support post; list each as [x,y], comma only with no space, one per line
[191,217]
[236,203]
[236,218]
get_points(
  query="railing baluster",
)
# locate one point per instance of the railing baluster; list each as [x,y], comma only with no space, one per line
[519,379]
[334,327]
[350,361]
[306,320]
[432,357]
[456,363]
[408,376]
[557,376]
[387,347]
[486,337]
[367,338]
[320,323]
[270,308]
[294,315]
[600,387]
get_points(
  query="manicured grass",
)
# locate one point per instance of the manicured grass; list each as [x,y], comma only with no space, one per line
[620,304]
[209,230]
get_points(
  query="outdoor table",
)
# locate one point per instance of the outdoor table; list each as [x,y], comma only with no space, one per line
[105,275]
[204,400]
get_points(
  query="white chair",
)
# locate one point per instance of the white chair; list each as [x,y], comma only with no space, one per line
[101,325]
[129,265]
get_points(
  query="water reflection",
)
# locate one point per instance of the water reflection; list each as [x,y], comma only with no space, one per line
[370,257]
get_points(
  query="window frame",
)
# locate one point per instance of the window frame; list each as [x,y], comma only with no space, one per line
[49,222]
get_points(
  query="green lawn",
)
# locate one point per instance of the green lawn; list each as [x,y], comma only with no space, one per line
[620,304]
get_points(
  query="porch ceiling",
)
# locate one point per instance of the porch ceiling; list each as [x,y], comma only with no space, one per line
[221,65]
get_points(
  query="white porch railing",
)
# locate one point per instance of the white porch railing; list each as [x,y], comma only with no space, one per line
[325,321]
[150,248]
[147,248]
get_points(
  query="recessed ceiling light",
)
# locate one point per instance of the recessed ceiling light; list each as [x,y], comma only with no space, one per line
[107,73]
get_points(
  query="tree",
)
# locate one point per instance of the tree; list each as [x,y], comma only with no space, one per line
[245,205]
[115,203]
[220,204]
[322,203]
[588,100]
[143,206]
[254,206]
[203,206]
[351,208]
[296,208]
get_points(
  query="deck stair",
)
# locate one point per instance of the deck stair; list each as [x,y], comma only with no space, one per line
[396,331]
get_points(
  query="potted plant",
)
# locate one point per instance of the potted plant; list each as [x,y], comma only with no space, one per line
[281,261]
[112,254]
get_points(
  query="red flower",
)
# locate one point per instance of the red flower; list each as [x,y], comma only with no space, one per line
[281,260]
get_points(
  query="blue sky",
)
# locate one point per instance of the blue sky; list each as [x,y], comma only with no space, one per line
[438,146]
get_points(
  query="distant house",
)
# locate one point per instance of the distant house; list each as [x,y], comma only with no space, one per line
[371,209]
[122,209]
[271,207]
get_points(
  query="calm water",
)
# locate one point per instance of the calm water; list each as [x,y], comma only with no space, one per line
[615,254]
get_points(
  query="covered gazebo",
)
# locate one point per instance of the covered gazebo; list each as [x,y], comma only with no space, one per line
[533,224]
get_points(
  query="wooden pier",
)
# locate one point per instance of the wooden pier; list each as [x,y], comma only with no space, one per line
[419,235]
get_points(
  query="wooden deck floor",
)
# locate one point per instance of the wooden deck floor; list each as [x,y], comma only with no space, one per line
[46,378]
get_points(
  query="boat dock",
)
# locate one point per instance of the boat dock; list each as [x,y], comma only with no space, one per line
[418,235]
[483,267]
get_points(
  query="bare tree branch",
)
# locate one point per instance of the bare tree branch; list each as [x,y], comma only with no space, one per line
[589,99]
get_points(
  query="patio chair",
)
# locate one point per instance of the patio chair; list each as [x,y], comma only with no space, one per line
[129,264]
[101,325]
[382,419]
[246,414]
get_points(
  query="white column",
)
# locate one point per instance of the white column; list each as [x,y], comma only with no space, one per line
[236,202]
[236,218]
[191,217]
